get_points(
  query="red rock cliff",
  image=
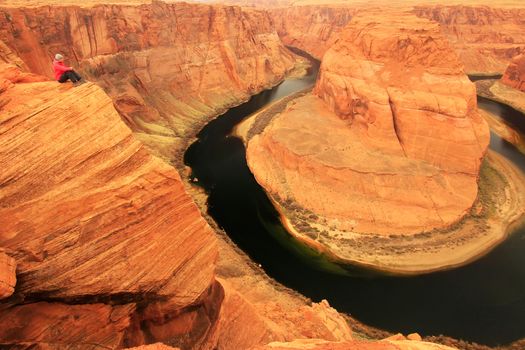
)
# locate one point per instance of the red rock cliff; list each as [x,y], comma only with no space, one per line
[485,38]
[168,67]
[515,74]
[110,248]
[312,29]
[96,224]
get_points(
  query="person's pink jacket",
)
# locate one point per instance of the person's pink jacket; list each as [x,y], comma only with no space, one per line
[60,68]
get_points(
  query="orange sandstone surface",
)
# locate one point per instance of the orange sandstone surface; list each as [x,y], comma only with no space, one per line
[110,250]
[7,275]
[392,127]
[515,73]
[167,67]
[386,152]
[484,37]
[312,29]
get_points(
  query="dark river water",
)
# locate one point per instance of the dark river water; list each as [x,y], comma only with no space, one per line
[482,302]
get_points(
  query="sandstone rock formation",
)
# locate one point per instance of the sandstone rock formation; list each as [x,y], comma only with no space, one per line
[484,37]
[7,275]
[312,29]
[91,217]
[167,67]
[317,344]
[390,143]
[111,250]
[515,74]
[408,138]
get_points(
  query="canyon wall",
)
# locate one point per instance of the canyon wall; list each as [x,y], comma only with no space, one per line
[312,29]
[515,73]
[485,38]
[7,275]
[110,250]
[101,230]
[167,67]
[408,141]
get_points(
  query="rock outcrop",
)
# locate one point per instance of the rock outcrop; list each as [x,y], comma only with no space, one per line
[317,344]
[7,275]
[167,67]
[111,250]
[391,140]
[408,138]
[97,225]
[515,74]
[484,37]
[312,29]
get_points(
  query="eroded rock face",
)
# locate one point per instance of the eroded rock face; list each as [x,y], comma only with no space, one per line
[7,275]
[108,242]
[91,217]
[168,67]
[114,206]
[404,152]
[312,29]
[485,38]
[515,74]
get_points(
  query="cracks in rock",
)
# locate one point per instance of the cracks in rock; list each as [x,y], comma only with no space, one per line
[394,122]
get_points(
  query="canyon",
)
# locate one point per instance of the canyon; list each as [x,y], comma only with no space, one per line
[406,143]
[167,67]
[485,36]
[110,249]
[104,242]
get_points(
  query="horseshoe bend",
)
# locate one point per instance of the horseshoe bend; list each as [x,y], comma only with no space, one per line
[388,147]
[363,137]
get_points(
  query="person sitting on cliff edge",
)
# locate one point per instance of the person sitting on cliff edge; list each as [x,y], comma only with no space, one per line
[64,73]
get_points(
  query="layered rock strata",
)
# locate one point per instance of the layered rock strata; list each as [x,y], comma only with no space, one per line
[111,250]
[484,37]
[312,29]
[7,275]
[407,136]
[317,344]
[389,144]
[91,217]
[167,67]
[515,73]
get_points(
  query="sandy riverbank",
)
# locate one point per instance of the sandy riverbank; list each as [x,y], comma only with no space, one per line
[500,206]
[496,91]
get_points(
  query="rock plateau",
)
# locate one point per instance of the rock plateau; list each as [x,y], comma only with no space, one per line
[381,148]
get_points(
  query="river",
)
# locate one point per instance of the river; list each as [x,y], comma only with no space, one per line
[482,302]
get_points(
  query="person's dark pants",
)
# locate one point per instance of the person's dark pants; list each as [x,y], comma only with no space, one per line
[69,75]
